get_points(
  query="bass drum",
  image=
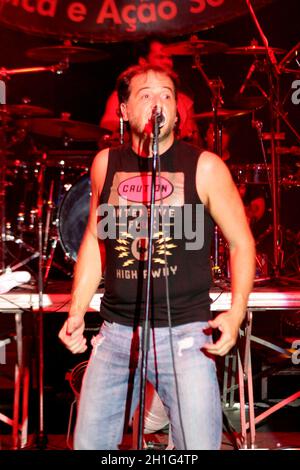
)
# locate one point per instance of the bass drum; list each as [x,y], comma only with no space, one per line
[73,216]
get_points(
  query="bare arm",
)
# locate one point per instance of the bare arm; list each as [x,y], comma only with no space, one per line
[220,195]
[89,266]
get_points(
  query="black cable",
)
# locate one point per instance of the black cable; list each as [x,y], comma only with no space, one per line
[169,308]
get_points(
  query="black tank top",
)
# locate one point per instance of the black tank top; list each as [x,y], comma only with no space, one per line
[126,188]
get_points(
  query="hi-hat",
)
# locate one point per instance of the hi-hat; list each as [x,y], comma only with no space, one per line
[253,49]
[68,53]
[61,128]
[222,114]
[194,47]
[24,110]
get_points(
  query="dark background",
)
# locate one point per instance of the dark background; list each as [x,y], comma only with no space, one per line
[84,88]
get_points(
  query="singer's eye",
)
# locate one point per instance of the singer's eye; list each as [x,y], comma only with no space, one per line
[167,96]
[145,96]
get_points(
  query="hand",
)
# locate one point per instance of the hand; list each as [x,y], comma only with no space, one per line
[228,323]
[71,335]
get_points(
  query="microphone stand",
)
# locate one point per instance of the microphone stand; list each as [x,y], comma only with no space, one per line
[145,328]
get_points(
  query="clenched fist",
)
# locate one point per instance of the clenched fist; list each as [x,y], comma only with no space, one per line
[71,334]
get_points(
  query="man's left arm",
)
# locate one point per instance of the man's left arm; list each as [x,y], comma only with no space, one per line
[221,197]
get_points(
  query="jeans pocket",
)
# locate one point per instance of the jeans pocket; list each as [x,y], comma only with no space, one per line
[96,341]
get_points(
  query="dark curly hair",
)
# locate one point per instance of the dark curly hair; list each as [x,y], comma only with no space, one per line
[124,80]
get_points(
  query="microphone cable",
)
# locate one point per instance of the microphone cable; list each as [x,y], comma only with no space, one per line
[169,308]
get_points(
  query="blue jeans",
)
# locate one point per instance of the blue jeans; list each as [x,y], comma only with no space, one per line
[114,363]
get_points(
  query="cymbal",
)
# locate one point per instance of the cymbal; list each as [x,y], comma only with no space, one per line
[24,110]
[223,114]
[73,54]
[194,47]
[248,102]
[60,128]
[253,49]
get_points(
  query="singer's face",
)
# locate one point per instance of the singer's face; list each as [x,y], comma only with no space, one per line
[146,91]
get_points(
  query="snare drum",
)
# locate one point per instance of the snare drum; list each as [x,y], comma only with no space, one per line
[73,216]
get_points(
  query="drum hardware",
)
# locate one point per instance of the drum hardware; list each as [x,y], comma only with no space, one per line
[291,61]
[194,47]
[66,53]
[6,112]
[38,253]
[293,150]
[50,207]
[24,110]
[59,68]
[220,259]
[28,116]
[251,103]
[73,216]
[278,110]
[273,71]
[65,129]
[223,114]
[216,115]
[254,49]
[278,136]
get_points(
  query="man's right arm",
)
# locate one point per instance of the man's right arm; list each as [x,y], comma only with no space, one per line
[89,267]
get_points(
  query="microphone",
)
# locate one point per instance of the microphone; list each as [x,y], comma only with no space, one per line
[158,116]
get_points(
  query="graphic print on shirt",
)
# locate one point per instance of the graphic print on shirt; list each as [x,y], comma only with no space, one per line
[130,194]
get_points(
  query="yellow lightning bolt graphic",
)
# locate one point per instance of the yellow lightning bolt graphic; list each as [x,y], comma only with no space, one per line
[128,263]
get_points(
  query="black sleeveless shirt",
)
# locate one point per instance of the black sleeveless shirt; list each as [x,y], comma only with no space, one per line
[126,189]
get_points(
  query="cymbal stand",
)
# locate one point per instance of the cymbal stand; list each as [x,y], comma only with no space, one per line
[215,86]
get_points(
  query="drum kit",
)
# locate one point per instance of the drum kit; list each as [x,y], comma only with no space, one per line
[53,186]
[34,178]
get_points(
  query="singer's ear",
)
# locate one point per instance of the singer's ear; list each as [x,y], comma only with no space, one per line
[123,109]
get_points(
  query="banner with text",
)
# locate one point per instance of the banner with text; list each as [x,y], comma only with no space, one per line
[118,20]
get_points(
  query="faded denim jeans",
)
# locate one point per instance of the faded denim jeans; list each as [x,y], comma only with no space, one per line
[112,366]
